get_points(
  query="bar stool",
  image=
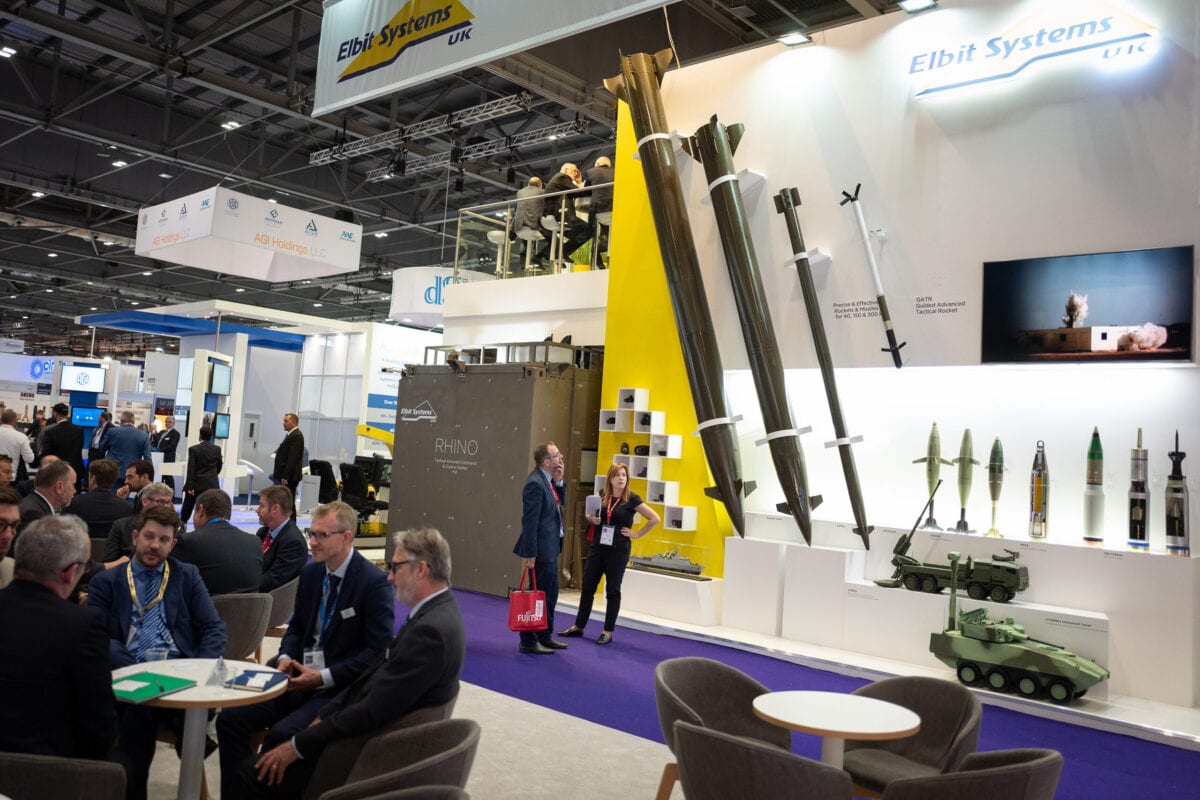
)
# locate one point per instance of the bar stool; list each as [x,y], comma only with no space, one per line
[603,220]
[556,228]
[500,239]
[531,238]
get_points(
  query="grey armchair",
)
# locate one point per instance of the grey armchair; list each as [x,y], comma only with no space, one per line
[338,758]
[717,766]
[245,617]
[950,718]
[435,754]
[283,604]
[1026,774]
[30,777]
[713,695]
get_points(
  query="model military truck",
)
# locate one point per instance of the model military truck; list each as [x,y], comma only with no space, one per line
[998,578]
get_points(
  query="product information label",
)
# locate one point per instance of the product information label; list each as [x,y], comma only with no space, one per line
[927,305]
[856,309]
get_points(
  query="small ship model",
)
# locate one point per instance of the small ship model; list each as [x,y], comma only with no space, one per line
[669,562]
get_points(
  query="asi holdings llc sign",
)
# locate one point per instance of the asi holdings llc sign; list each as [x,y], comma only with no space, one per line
[1057,31]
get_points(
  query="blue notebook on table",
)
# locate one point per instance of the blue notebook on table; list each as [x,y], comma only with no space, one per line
[257,680]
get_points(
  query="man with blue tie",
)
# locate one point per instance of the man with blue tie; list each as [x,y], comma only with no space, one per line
[541,538]
[153,603]
[342,622]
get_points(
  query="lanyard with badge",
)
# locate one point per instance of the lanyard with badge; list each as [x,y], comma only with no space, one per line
[608,532]
[314,657]
[143,610]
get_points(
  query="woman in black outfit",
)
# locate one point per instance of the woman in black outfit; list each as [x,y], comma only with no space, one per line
[610,549]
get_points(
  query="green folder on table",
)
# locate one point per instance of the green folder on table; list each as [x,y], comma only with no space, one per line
[143,686]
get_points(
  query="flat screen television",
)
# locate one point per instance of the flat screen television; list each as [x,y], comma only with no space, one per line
[164,406]
[385,472]
[220,426]
[86,417]
[81,379]
[222,379]
[186,365]
[1134,305]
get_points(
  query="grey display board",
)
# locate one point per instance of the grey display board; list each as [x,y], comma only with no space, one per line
[463,449]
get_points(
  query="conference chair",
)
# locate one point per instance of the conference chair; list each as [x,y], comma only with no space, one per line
[1024,774]
[329,489]
[97,552]
[438,753]
[30,777]
[338,758]
[246,617]
[717,766]
[356,493]
[711,694]
[283,604]
[950,719]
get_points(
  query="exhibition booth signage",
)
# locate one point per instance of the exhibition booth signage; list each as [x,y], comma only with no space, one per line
[371,48]
[236,234]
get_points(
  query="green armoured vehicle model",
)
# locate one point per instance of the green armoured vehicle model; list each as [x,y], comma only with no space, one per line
[1002,656]
[998,578]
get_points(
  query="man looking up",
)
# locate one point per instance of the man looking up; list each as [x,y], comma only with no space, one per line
[53,488]
[420,669]
[284,552]
[98,506]
[58,698]
[152,602]
[125,444]
[288,456]
[10,518]
[119,545]
[229,559]
[342,622]
[138,476]
[541,538]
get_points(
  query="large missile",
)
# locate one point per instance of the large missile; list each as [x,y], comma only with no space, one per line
[638,85]
[714,146]
[785,203]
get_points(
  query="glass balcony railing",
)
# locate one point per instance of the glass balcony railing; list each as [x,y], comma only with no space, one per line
[532,234]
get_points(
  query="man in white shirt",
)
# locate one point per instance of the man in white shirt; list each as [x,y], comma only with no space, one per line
[13,443]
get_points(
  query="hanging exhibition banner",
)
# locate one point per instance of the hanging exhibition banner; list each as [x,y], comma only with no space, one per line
[237,234]
[371,48]
[418,293]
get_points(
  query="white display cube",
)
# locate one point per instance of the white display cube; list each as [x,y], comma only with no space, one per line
[633,399]
[662,492]
[615,420]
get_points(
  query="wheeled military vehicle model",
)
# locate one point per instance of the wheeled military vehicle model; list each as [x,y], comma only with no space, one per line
[998,578]
[1002,656]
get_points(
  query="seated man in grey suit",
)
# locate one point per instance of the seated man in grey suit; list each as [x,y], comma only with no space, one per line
[418,670]
[229,559]
[118,548]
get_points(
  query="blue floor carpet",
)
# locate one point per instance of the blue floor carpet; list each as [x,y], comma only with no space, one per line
[613,685]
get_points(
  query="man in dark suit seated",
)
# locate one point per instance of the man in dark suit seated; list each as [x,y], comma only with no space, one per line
[173,610]
[344,612]
[284,551]
[119,544]
[58,698]
[98,506]
[419,669]
[229,559]
[541,538]
[53,488]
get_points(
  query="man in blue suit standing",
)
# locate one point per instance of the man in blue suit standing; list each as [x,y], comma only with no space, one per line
[342,623]
[153,601]
[541,538]
[125,444]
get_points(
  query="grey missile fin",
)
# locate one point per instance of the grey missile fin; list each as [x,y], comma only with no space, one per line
[748,487]
[713,493]
[814,501]
[735,132]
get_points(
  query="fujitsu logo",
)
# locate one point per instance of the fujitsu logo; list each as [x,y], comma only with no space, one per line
[529,616]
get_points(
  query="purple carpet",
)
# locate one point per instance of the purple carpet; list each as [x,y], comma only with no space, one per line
[614,686]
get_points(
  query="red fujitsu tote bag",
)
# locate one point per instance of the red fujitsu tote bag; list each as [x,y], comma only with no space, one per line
[527,609]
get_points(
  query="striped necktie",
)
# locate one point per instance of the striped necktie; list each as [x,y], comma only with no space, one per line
[153,628]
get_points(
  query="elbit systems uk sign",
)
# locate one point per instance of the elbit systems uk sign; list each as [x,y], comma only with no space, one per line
[1058,31]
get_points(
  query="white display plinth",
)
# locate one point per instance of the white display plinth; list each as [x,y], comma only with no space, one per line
[680,599]
[756,566]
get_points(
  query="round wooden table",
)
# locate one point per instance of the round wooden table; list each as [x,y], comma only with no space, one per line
[836,717]
[196,701]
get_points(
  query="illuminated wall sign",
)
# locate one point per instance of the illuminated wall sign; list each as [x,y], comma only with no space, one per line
[1057,31]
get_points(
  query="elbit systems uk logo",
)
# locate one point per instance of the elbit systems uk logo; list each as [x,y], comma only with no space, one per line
[422,412]
[1059,31]
[413,25]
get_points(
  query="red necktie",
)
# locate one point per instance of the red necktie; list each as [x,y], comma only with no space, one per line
[266,543]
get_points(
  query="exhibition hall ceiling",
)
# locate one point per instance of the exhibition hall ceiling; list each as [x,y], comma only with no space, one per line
[107,106]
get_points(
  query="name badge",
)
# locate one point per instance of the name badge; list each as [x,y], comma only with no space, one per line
[347,613]
[607,532]
[314,658]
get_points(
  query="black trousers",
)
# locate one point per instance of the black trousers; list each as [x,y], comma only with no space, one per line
[609,561]
[546,575]
[137,739]
[285,716]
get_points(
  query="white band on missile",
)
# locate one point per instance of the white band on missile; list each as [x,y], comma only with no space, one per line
[651,137]
[847,440]
[712,423]
[770,437]
[793,260]
[720,180]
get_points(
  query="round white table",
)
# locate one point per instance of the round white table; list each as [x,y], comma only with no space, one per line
[837,717]
[196,701]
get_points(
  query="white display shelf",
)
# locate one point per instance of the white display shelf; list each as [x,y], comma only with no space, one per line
[646,468]
[652,422]
[615,420]
[633,399]
[682,599]
[679,518]
[666,445]
[662,492]
[621,458]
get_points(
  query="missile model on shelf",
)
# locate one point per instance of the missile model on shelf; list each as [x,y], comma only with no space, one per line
[786,203]
[638,85]
[933,469]
[1039,494]
[1139,497]
[1093,492]
[1177,505]
[995,482]
[884,314]
[965,460]
[713,146]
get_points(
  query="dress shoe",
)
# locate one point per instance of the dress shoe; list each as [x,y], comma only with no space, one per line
[553,644]
[536,647]
[604,639]
[571,632]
